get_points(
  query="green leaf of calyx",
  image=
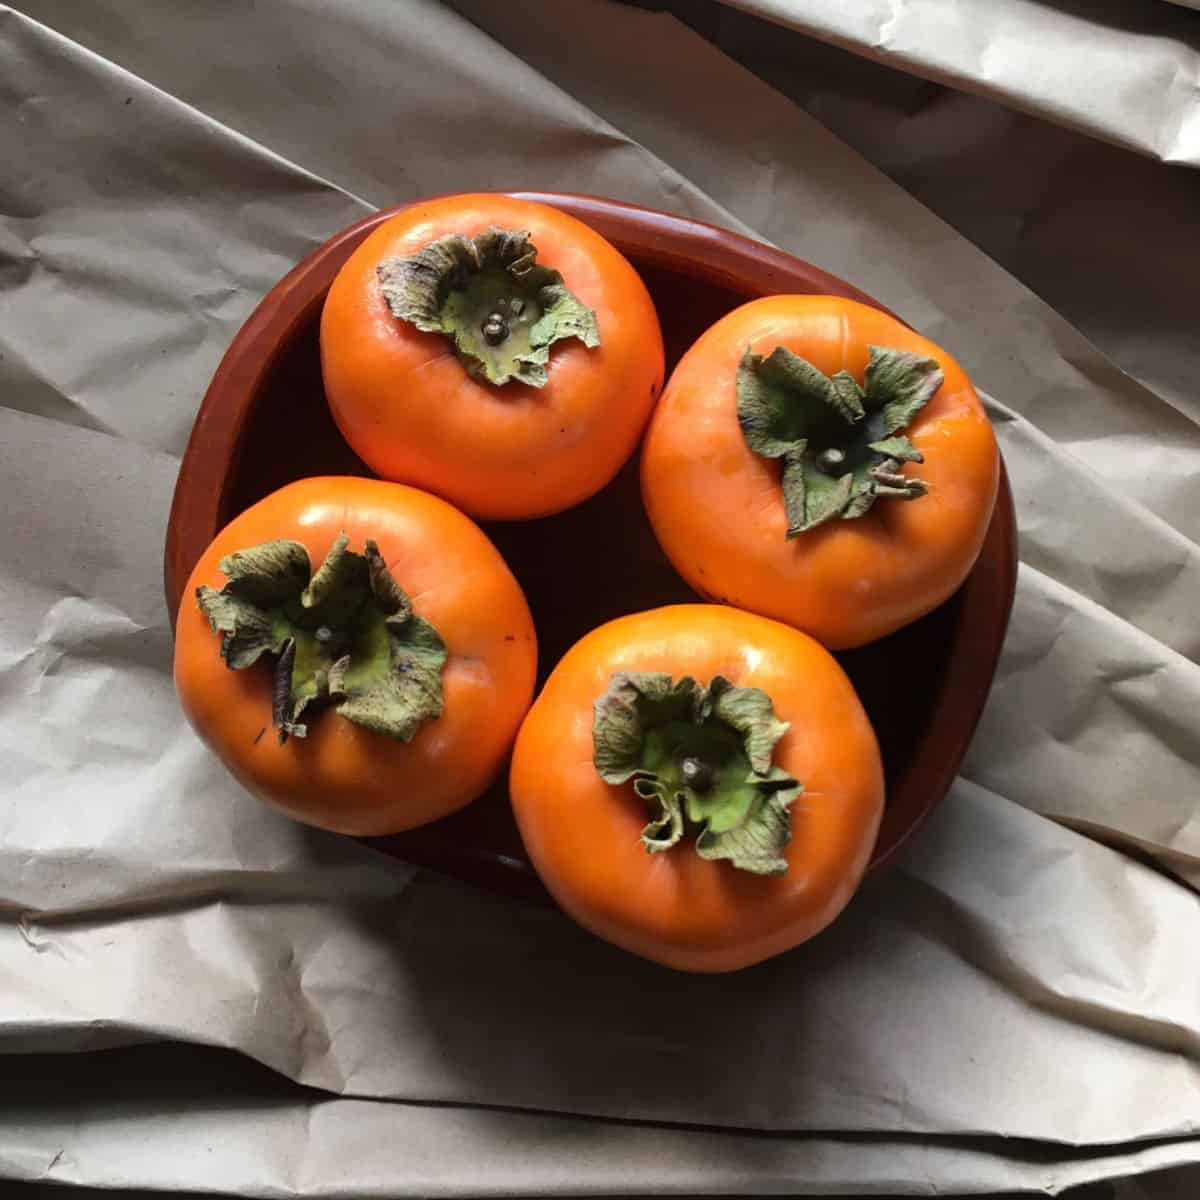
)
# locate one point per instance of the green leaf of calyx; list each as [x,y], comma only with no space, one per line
[749,712]
[773,424]
[345,635]
[899,383]
[390,597]
[395,684]
[898,448]
[847,397]
[825,497]
[840,443]
[501,309]
[339,587]
[699,757]
[665,828]
[268,574]
[249,633]
[754,844]
[633,703]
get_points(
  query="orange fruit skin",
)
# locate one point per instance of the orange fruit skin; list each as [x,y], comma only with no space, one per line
[408,407]
[674,907]
[341,776]
[717,507]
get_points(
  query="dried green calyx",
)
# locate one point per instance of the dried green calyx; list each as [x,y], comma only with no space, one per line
[345,636]
[842,445]
[700,757]
[501,309]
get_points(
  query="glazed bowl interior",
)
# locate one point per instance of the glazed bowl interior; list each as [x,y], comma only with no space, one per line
[264,422]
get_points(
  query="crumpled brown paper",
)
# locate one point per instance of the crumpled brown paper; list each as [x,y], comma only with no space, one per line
[1129,74]
[173,1117]
[1011,978]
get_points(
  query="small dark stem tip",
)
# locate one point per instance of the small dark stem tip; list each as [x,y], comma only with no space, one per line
[494,329]
[831,459]
[696,773]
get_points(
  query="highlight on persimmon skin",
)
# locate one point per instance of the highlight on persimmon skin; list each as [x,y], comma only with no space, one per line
[814,460]
[494,351]
[357,653]
[699,785]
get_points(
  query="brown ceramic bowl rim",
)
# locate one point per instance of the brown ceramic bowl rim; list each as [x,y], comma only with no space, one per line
[719,257]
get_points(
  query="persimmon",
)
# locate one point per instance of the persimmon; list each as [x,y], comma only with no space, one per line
[357,653]
[492,350]
[699,785]
[815,460]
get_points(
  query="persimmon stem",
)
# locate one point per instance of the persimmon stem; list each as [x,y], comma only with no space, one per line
[841,444]
[829,460]
[500,308]
[696,773]
[495,329]
[343,637]
[701,759]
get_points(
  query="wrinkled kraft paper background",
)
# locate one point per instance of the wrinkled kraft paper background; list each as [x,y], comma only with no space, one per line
[1015,1006]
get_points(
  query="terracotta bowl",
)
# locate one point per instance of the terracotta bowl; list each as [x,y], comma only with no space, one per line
[264,422]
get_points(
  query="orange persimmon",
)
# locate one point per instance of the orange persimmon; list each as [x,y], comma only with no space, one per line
[357,653]
[816,461]
[698,785]
[495,351]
